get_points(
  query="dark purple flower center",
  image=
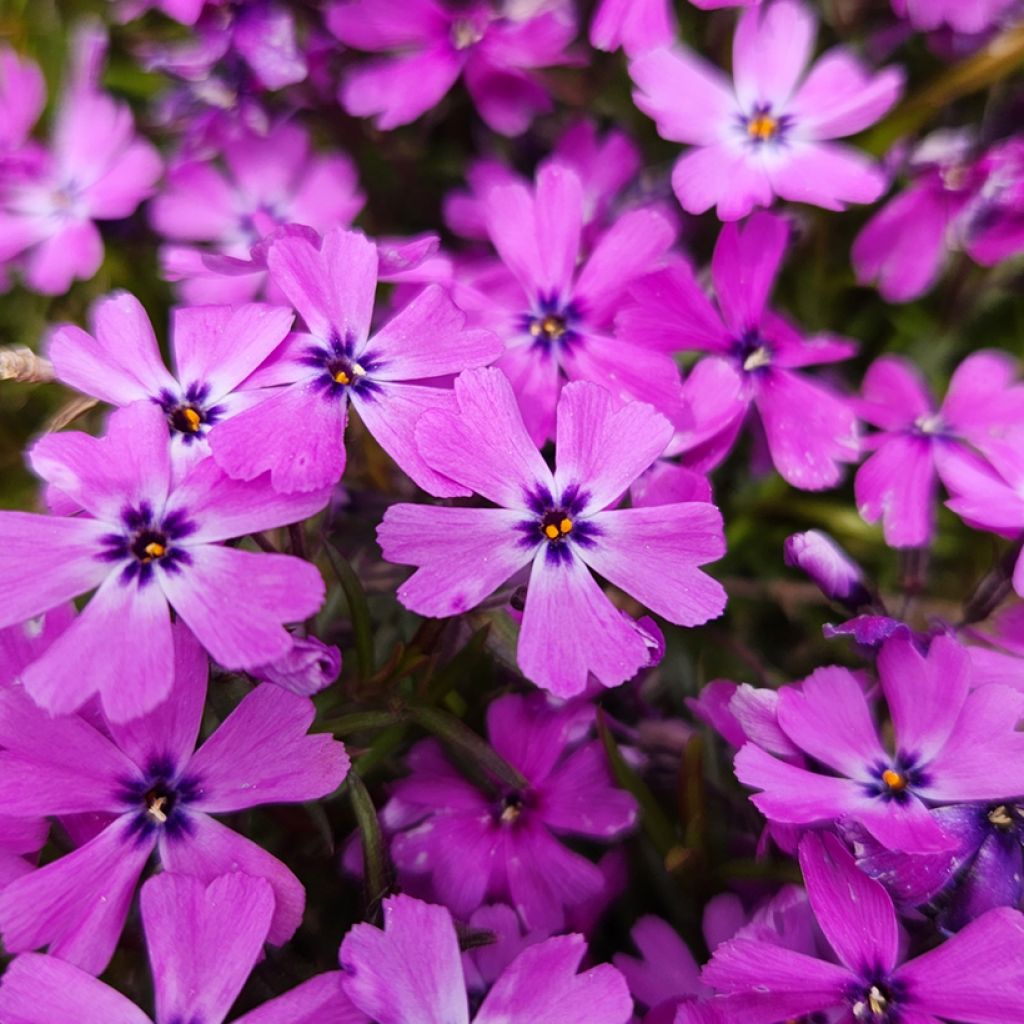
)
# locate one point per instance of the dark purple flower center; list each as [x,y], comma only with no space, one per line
[558,523]
[513,805]
[339,370]
[190,415]
[762,125]
[147,542]
[159,800]
[752,351]
[876,1002]
[551,324]
[895,782]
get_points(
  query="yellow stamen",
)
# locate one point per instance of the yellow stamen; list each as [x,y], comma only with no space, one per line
[894,780]
[155,549]
[763,127]
[551,531]
[511,813]
[565,525]
[1000,817]
[192,418]
[156,809]
[341,377]
[758,358]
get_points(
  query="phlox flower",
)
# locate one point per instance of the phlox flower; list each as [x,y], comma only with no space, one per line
[951,745]
[95,168]
[953,202]
[831,569]
[203,941]
[918,444]
[967,16]
[215,349]
[411,971]
[563,525]
[427,44]
[478,847]
[975,977]
[297,434]
[552,303]
[150,544]
[756,356]
[156,794]
[218,218]
[769,132]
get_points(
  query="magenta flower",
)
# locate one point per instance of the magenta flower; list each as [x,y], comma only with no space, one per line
[95,168]
[428,44]
[918,444]
[872,982]
[951,746]
[967,16]
[562,525]
[214,218]
[831,569]
[553,308]
[770,132]
[952,203]
[215,349]
[308,667]
[157,794]
[756,353]
[203,940]
[478,847]
[150,544]
[298,433]
[635,25]
[411,971]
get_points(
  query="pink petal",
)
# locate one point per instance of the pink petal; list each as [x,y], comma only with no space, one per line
[77,905]
[854,911]
[635,25]
[262,753]
[827,175]
[321,1000]
[195,204]
[462,554]
[744,268]
[74,252]
[485,447]
[236,602]
[297,435]
[511,221]
[603,447]
[541,986]
[571,629]
[663,76]
[507,99]
[44,561]
[129,179]
[386,24]
[401,349]
[725,176]
[411,970]
[653,553]
[770,50]
[203,940]
[580,798]
[665,970]
[841,97]
[895,393]
[44,990]
[22,97]
[536,378]
[897,484]
[131,678]
[210,850]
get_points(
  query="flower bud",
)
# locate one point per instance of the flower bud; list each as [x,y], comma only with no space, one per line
[836,575]
[309,667]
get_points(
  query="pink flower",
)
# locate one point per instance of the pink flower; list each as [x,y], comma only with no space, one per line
[769,132]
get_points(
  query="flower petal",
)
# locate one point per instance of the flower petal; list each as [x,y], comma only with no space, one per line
[744,268]
[770,50]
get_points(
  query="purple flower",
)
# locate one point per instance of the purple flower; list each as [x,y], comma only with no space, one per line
[298,433]
[150,544]
[834,573]
[756,353]
[975,977]
[215,217]
[307,668]
[562,525]
[952,202]
[479,847]
[554,309]
[158,794]
[769,133]
[215,349]
[428,44]
[95,168]
[968,16]
[203,940]
[951,745]
[411,971]
[917,443]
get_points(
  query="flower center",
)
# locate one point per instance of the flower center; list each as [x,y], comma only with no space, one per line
[894,781]
[159,801]
[873,1006]
[556,525]
[466,32]
[511,808]
[758,358]
[762,127]
[149,544]
[345,371]
[550,327]
[186,419]
[929,423]
[1002,817]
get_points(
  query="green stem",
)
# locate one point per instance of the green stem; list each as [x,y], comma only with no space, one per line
[358,609]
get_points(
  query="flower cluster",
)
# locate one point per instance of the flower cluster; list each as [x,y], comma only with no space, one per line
[419,547]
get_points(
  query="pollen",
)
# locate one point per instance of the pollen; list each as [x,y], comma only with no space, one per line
[551,327]
[758,358]
[341,377]
[154,549]
[551,531]
[155,809]
[762,127]
[565,525]
[192,418]
[894,780]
